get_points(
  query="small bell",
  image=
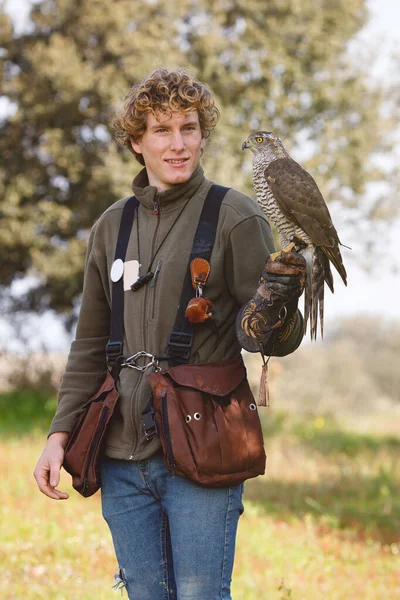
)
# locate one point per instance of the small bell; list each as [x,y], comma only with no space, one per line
[199,310]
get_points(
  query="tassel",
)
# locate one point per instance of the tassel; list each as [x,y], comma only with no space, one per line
[263,394]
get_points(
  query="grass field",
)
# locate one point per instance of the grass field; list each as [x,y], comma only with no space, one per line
[323,523]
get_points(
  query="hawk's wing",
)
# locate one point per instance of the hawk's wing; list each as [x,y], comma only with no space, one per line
[300,200]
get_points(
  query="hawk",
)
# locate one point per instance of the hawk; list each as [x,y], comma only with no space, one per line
[291,200]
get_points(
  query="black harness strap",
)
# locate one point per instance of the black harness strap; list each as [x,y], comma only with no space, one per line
[180,340]
[115,345]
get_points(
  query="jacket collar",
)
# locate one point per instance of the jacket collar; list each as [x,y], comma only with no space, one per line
[168,199]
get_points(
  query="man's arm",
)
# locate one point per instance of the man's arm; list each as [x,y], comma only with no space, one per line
[271,316]
[86,365]
[279,330]
[85,370]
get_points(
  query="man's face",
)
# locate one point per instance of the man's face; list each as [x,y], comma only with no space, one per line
[171,147]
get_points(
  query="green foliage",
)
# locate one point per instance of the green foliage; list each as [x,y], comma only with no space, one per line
[355,479]
[25,411]
[325,436]
[28,396]
[273,423]
[282,65]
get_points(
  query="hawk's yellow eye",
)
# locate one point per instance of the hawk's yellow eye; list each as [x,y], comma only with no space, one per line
[259,140]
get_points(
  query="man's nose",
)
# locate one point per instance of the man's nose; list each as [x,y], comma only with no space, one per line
[177,141]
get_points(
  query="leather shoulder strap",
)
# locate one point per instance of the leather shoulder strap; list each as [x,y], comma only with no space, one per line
[181,338]
[115,345]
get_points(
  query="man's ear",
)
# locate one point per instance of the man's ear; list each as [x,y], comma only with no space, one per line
[136,146]
[203,142]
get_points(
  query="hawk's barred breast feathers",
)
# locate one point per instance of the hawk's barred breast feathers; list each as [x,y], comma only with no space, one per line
[297,196]
[291,200]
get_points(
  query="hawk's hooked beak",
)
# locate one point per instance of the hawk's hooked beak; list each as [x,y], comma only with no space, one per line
[246,144]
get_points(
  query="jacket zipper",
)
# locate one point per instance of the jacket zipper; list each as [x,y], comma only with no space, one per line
[156,206]
[147,288]
[167,434]
[135,411]
[152,285]
[94,445]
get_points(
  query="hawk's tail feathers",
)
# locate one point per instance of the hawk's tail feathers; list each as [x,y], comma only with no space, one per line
[320,272]
[308,287]
[321,309]
[317,287]
[328,273]
[336,259]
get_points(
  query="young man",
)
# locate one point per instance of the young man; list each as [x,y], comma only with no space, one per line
[173,538]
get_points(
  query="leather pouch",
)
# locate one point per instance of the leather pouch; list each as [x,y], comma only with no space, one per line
[84,449]
[208,422]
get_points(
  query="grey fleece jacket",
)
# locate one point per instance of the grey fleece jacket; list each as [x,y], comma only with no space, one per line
[243,242]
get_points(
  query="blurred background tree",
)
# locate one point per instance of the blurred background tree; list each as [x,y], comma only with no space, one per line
[280,65]
[352,374]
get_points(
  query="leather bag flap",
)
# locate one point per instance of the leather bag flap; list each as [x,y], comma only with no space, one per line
[218,379]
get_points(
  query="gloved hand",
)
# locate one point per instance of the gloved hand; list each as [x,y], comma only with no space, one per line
[282,283]
[284,278]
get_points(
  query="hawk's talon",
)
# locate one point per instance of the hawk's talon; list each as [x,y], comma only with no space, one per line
[296,244]
[299,243]
[274,255]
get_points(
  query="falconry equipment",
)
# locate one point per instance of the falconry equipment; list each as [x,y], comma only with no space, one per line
[291,200]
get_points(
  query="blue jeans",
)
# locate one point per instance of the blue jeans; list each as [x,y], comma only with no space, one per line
[174,540]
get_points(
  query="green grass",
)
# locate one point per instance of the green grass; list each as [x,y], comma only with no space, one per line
[323,523]
[26,410]
[325,435]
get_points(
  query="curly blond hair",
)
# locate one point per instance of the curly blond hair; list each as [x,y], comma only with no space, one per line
[163,91]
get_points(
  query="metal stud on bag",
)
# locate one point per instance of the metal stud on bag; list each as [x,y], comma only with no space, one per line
[188,418]
[197,416]
[252,406]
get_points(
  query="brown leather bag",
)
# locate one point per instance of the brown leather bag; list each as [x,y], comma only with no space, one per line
[83,451]
[208,422]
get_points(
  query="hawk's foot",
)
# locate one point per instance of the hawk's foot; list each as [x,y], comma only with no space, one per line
[296,244]
[274,255]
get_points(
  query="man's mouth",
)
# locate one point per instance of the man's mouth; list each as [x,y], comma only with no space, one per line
[176,161]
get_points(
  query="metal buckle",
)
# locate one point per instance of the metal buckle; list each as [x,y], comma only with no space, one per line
[113,351]
[150,434]
[179,350]
[187,337]
[131,362]
[180,336]
[149,424]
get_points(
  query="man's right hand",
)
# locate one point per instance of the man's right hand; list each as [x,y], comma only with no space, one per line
[47,471]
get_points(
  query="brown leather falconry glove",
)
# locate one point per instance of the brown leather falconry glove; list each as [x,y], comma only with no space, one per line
[273,307]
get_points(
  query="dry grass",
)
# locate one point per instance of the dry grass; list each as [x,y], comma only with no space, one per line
[324,523]
[319,525]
